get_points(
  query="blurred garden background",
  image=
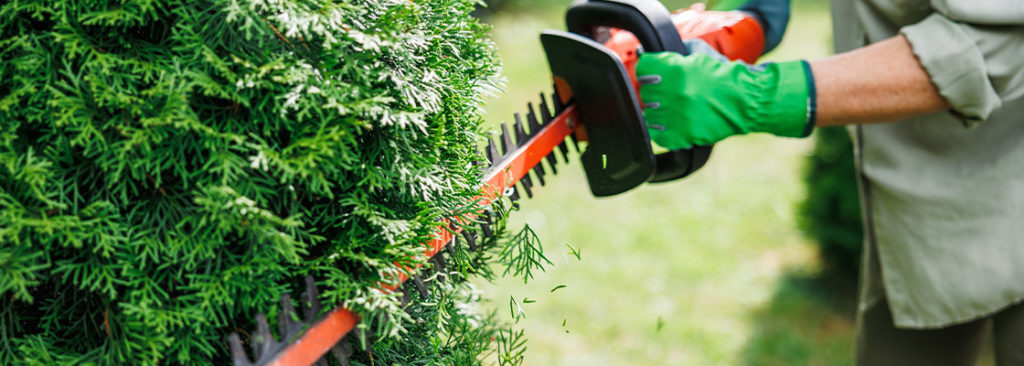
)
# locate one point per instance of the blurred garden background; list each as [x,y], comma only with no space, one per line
[751,261]
[710,270]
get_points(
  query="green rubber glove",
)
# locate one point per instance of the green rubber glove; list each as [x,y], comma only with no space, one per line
[700,99]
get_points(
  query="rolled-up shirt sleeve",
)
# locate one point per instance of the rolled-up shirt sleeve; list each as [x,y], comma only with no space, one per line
[990,12]
[973,53]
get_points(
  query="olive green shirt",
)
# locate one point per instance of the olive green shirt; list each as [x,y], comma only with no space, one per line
[943,194]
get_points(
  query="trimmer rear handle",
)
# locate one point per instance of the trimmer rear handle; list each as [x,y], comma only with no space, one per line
[648,20]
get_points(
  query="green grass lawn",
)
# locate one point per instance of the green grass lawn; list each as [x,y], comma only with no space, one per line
[703,271]
[710,270]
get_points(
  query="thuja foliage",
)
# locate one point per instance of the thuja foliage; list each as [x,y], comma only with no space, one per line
[169,169]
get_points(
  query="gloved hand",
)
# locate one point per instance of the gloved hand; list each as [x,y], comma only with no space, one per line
[701,99]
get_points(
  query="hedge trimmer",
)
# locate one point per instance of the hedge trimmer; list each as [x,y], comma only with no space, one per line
[595,101]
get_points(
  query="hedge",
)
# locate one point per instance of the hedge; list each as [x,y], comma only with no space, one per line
[169,169]
[830,215]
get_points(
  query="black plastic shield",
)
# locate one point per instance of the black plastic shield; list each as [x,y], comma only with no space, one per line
[651,23]
[618,156]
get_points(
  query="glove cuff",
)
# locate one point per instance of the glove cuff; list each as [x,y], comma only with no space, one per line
[788,105]
[812,99]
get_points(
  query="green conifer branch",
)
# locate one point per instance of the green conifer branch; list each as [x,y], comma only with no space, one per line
[169,169]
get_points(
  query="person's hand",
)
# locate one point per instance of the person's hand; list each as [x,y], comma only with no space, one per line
[701,99]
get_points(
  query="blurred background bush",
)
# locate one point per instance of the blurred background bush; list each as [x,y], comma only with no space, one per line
[830,215]
[752,260]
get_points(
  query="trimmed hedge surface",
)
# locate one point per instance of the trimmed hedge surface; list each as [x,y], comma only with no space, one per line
[168,169]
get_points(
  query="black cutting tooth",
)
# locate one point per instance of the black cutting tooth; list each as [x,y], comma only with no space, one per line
[514,195]
[311,299]
[452,251]
[266,346]
[526,187]
[487,222]
[420,286]
[545,112]
[287,327]
[440,266]
[506,140]
[499,215]
[492,152]
[517,128]
[556,99]
[482,153]
[454,243]
[531,120]
[451,248]
[264,340]
[507,146]
[403,290]
[470,239]
[486,229]
[559,106]
[263,343]
[564,148]
[238,356]
[546,118]
[342,351]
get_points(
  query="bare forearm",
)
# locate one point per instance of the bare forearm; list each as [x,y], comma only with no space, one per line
[882,82]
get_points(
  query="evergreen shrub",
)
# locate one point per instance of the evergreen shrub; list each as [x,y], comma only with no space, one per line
[169,169]
[830,215]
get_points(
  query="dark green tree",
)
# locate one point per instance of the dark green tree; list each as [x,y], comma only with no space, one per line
[168,169]
[831,213]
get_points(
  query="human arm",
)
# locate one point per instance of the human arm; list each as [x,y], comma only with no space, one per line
[953,60]
[699,100]
[881,82]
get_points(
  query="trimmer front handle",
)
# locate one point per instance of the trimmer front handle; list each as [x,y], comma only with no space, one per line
[594,68]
